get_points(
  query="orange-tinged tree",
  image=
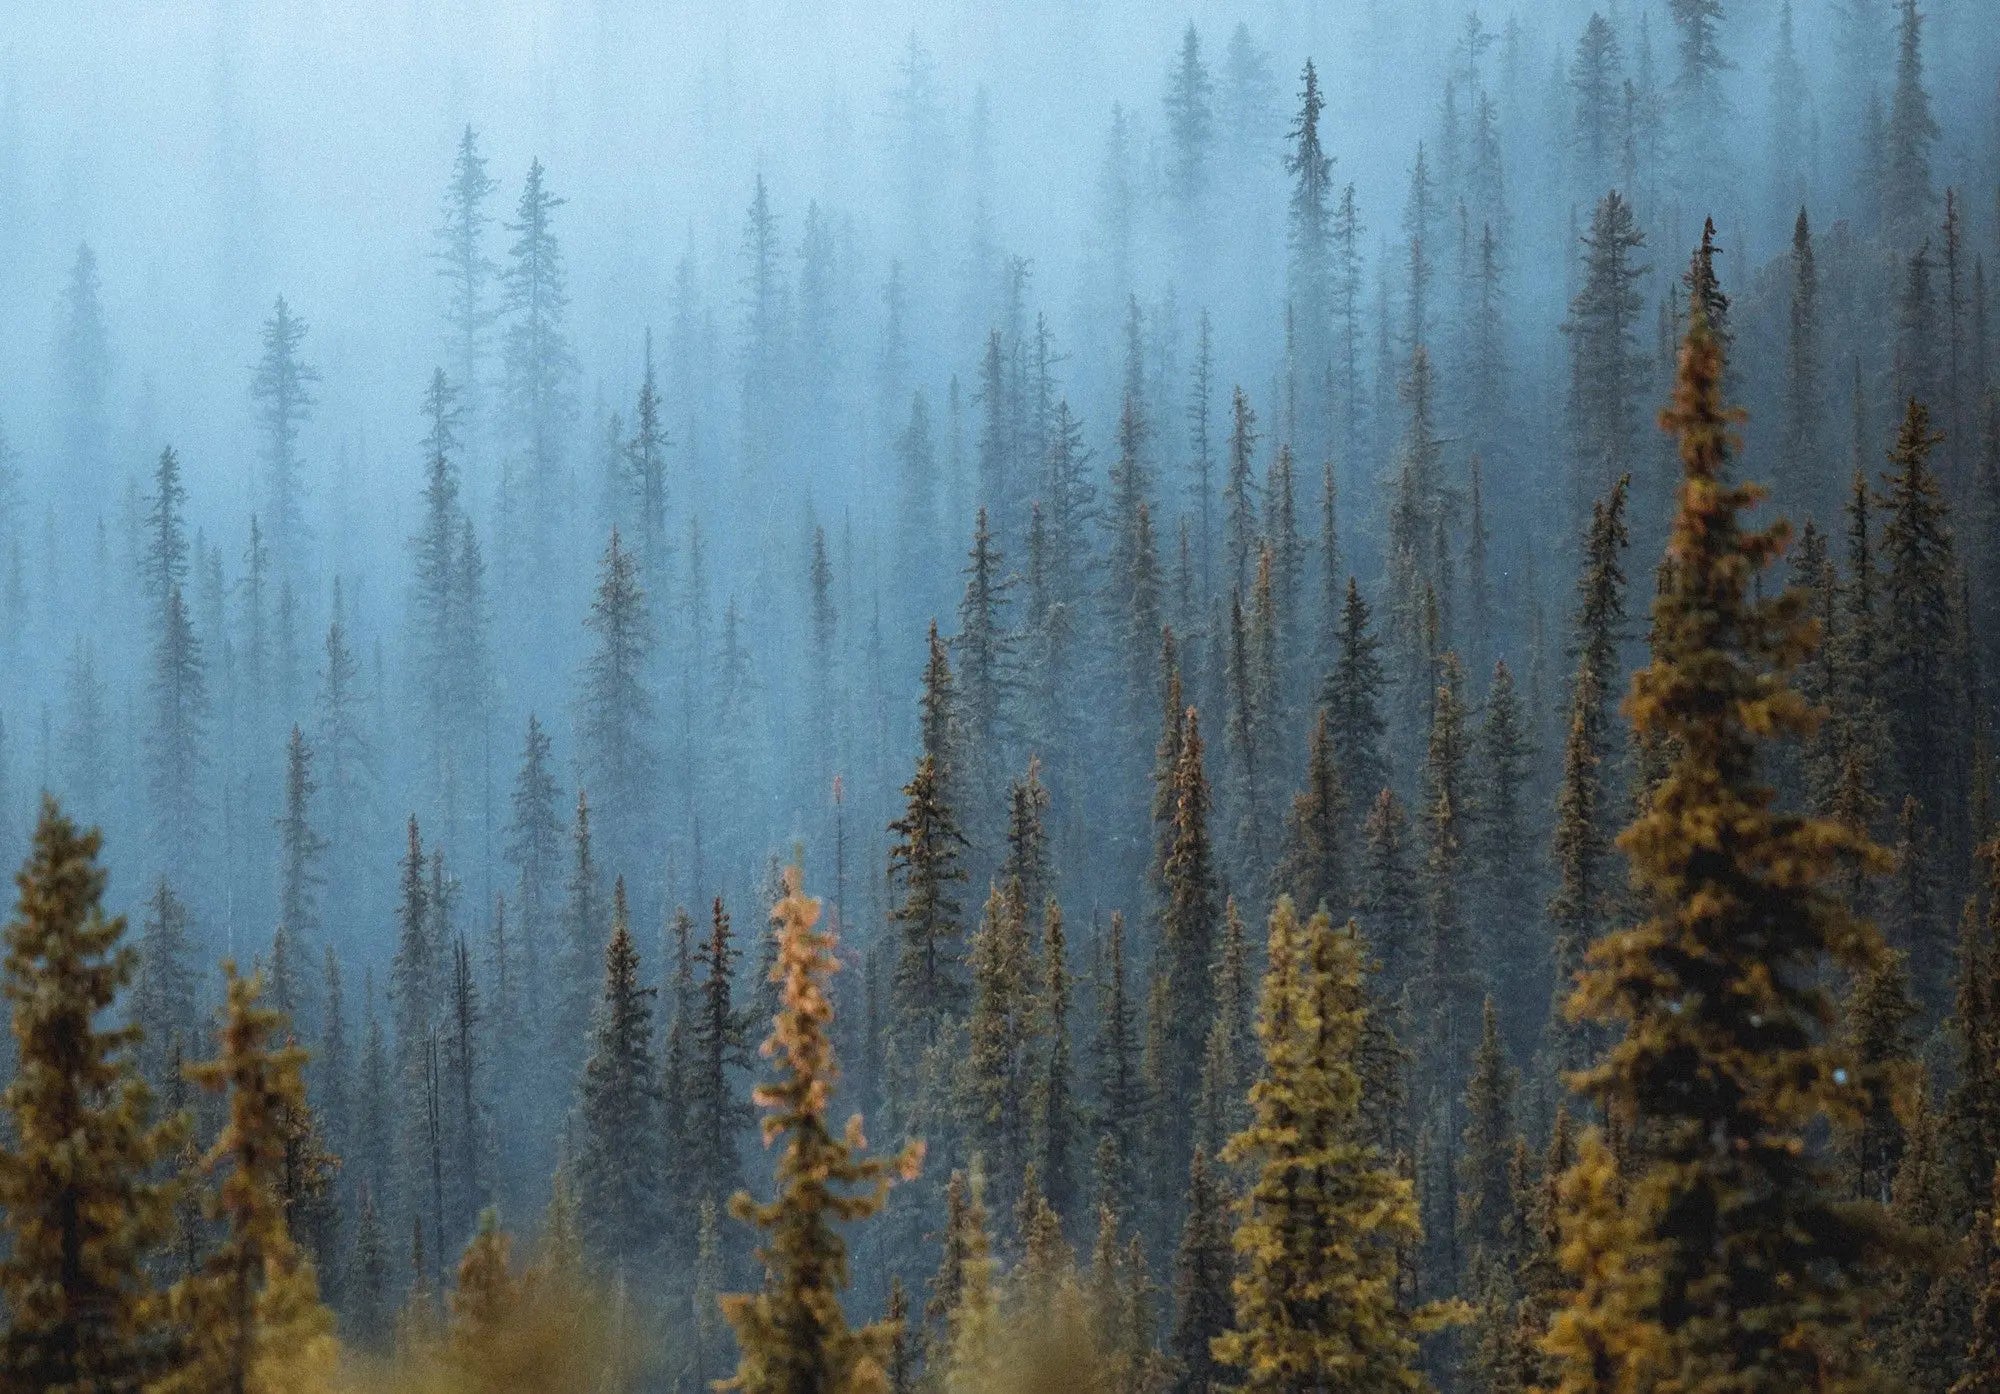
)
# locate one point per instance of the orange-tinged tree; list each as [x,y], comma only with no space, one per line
[1718,1252]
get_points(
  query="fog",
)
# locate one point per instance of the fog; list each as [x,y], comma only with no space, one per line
[477,474]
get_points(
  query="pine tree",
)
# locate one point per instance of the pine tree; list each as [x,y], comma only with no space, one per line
[644,475]
[252,1316]
[165,564]
[1595,79]
[1907,192]
[1310,230]
[534,848]
[540,366]
[1204,1271]
[924,862]
[1325,1219]
[464,266]
[1918,682]
[282,389]
[1190,126]
[1388,898]
[793,1337]
[582,946]
[615,752]
[719,1049]
[1189,922]
[300,847]
[1721,1208]
[1315,869]
[1485,1194]
[995,1066]
[985,676]
[1122,1102]
[1352,697]
[162,1004]
[175,739]
[1052,1130]
[1606,365]
[83,363]
[1878,1017]
[1799,449]
[81,1211]
[617,1159]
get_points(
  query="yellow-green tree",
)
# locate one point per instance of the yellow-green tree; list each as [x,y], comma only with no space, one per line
[793,1335]
[1326,1217]
[1717,1251]
[80,1213]
[251,1319]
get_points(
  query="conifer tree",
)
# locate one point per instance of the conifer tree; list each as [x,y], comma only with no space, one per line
[1485,1193]
[1352,697]
[81,1208]
[1798,454]
[162,1004]
[540,366]
[1122,1101]
[464,266]
[1907,192]
[1919,679]
[1325,1217]
[618,1158]
[1204,1272]
[1595,79]
[1053,1141]
[793,1336]
[1721,1207]
[299,845]
[924,861]
[719,1047]
[1388,896]
[996,1068]
[175,738]
[582,944]
[615,751]
[1606,363]
[1315,869]
[985,676]
[252,1318]
[1189,922]
[534,848]
[1191,127]
[283,391]
[1310,231]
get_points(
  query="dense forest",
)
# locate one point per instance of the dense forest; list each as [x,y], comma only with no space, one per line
[1339,662]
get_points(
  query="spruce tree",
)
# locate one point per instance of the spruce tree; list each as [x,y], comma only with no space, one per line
[1352,696]
[1919,679]
[1204,1273]
[618,1158]
[793,1336]
[1485,1190]
[283,391]
[718,1042]
[1907,192]
[539,368]
[1315,868]
[534,848]
[82,1209]
[616,756]
[1605,360]
[1721,1208]
[1122,1101]
[1325,1219]
[300,847]
[1188,927]
[251,1318]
